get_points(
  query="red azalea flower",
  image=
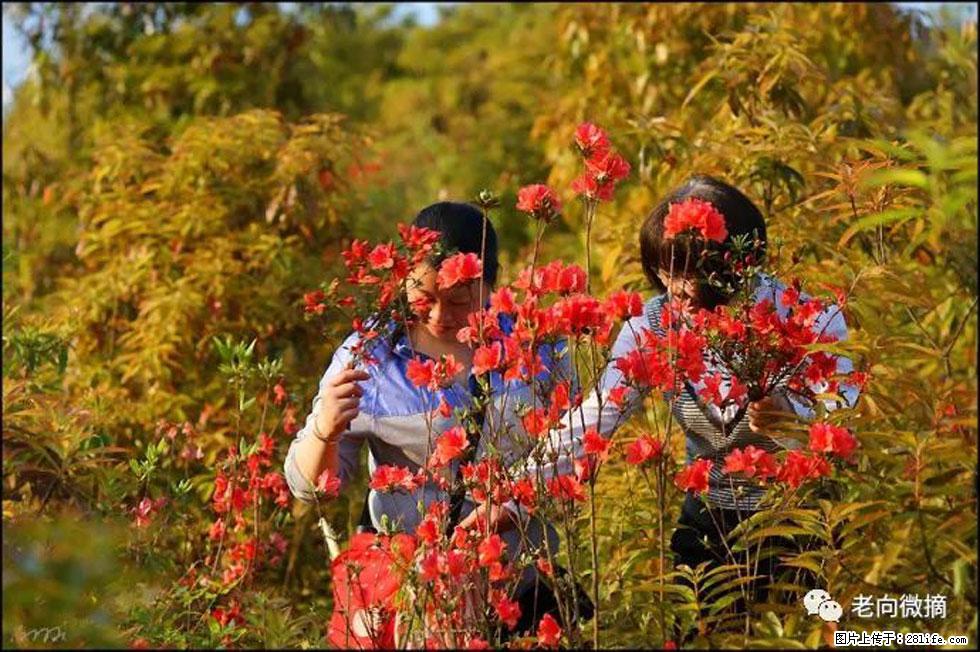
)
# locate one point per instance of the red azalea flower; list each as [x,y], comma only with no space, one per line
[487,358]
[382,256]
[549,633]
[502,300]
[449,446]
[421,372]
[143,512]
[280,394]
[693,213]
[314,302]
[644,449]
[596,444]
[694,477]
[217,530]
[524,493]
[545,566]
[566,487]
[618,396]
[623,305]
[508,611]
[328,484]
[445,410]
[751,462]
[799,466]
[591,140]
[491,549]
[828,438]
[539,201]
[231,615]
[535,422]
[417,238]
[586,185]
[608,168]
[428,531]
[459,268]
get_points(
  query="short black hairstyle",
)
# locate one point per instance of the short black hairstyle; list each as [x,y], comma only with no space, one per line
[461,226]
[681,255]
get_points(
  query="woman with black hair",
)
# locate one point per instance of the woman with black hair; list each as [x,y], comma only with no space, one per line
[380,406]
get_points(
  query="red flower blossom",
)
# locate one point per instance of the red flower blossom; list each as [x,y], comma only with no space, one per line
[523,492]
[418,239]
[828,438]
[509,611]
[420,372]
[449,446]
[623,305]
[328,484]
[566,487]
[644,449]
[488,358]
[314,302]
[280,394]
[232,614]
[602,174]
[382,256]
[799,466]
[491,549]
[549,633]
[535,422]
[751,462]
[591,140]
[539,201]
[217,530]
[596,444]
[618,396]
[545,566]
[289,425]
[608,168]
[693,213]
[695,476]
[459,268]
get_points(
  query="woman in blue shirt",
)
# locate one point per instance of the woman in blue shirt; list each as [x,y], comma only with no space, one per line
[380,406]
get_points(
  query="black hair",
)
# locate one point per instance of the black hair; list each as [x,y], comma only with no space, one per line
[462,229]
[681,255]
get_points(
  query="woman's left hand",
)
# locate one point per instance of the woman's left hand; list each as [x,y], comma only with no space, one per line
[501,518]
[770,412]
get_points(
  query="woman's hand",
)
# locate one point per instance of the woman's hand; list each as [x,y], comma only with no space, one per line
[769,413]
[340,402]
[501,519]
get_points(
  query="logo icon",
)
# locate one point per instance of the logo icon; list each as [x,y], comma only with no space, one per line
[818,602]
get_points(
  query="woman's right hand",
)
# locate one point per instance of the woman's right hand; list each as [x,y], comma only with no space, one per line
[340,402]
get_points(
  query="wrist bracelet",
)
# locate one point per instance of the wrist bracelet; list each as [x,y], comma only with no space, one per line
[318,434]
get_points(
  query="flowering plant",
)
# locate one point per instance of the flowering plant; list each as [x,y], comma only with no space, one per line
[457,579]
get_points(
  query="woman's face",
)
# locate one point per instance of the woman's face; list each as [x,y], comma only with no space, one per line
[442,312]
[679,286]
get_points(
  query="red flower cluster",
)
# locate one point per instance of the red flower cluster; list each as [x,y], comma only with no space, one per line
[144,511]
[828,438]
[643,449]
[539,201]
[694,477]
[431,374]
[457,269]
[751,462]
[695,214]
[604,168]
[366,578]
